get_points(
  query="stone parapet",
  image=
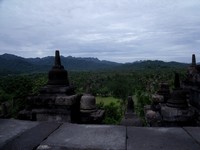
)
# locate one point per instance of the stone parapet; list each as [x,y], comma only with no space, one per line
[27,135]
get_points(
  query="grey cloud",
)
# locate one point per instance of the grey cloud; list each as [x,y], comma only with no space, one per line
[115,30]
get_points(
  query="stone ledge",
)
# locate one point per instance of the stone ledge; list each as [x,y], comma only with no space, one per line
[17,134]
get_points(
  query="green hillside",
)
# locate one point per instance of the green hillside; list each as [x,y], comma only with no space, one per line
[11,64]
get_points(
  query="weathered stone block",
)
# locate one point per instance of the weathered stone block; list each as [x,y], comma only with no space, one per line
[159,139]
[66,100]
[86,137]
[88,102]
[61,115]
[156,98]
[177,114]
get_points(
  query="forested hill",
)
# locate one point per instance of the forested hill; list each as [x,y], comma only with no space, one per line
[11,64]
[153,64]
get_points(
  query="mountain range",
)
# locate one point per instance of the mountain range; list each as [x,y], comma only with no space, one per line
[12,64]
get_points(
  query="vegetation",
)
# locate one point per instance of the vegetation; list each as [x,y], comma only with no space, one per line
[11,64]
[15,89]
[110,87]
[107,100]
[111,82]
[112,107]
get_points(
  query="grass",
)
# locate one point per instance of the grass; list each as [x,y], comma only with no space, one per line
[108,100]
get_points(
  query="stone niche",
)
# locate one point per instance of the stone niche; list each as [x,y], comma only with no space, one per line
[56,101]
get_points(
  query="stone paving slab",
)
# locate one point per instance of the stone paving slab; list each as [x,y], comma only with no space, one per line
[27,135]
[86,137]
[194,132]
[31,138]
[160,139]
[10,129]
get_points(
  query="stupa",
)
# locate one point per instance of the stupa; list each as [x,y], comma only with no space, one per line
[57,100]
[161,96]
[130,118]
[179,96]
[170,109]
[177,112]
[88,110]
[192,84]
[164,91]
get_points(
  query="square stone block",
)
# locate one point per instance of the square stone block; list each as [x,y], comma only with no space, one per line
[10,129]
[86,137]
[160,139]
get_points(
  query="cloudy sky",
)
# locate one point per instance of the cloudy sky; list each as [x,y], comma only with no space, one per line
[115,30]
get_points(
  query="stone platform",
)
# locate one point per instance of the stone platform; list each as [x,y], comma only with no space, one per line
[27,135]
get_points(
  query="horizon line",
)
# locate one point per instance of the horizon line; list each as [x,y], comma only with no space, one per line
[101,59]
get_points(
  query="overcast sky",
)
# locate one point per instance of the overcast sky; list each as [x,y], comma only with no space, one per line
[115,30]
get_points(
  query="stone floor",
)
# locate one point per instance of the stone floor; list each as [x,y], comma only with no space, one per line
[27,135]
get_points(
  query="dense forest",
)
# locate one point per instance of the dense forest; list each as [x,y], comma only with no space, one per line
[108,84]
